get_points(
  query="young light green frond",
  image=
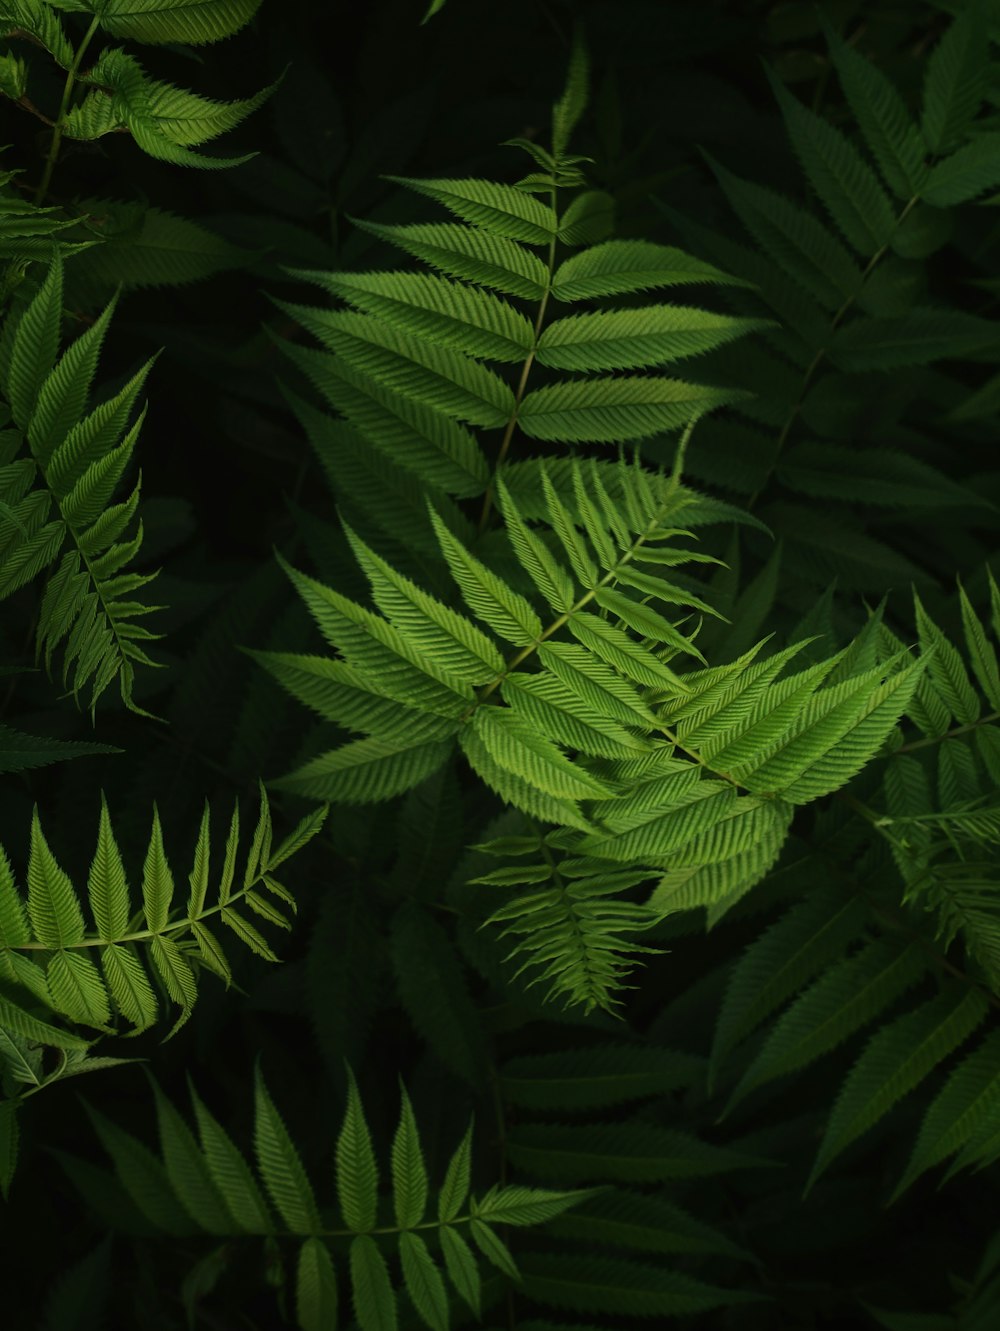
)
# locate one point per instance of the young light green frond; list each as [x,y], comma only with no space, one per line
[516,746]
[608,410]
[365,771]
[316,1293]
[840,176]
[53,906]
[545,571]
[410,366]
[470,254]
[372,646]
[945,669]
[281,1166]
[39,22]
[337,693]
[409,1173]
[560,713]
[631,339]
[157,880]
[129,987]
[357,1175]
[193,22]
[835,734]
[433,627]
[897,1058]
[614,647]
[515,1205]
[429,443]
[453,314]
[889,134]
[595,684]
[616,267]
[849,995]
[486,594]
[165,121]
[423,1282]
[572,931]
[501,210]
[371,1288]
[77,989]
[107,887]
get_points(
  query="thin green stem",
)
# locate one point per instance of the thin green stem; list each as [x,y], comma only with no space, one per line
[60,121]
[948,734]
[522,385]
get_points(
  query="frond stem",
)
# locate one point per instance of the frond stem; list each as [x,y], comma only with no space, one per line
[60,121]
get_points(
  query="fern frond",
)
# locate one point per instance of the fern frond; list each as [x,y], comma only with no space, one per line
[193,22]
[78,458]
[54,930]
[896,1059]
[205,1185]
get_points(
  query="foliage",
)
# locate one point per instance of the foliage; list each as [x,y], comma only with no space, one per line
[589,571]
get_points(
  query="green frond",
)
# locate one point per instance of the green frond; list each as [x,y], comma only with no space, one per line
[53,925]
[501,210]
[453,314]
[609,410]
[955,82]
[469,254]
[88,607]
[594,1076]
[281,1167]
[962,1109]
[357,1176]
[781,960]
[889,134]
[194,22]
[616,267]
[631,339]
[316,1291]
[852,993]
[847,186]
[898,1057]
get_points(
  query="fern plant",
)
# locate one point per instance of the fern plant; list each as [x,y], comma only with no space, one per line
[207,1187]
[62,465]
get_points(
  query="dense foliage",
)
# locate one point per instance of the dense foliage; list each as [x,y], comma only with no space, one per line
[500,704]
